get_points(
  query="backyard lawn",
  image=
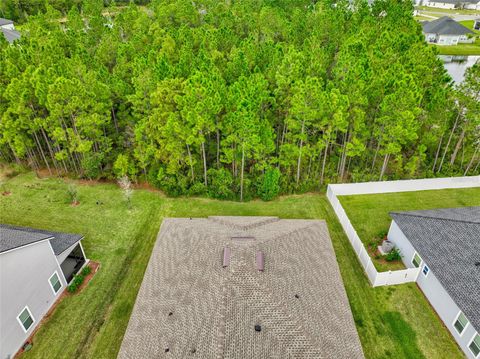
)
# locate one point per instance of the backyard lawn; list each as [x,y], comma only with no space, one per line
[460,49]
[369,213]
[394,322]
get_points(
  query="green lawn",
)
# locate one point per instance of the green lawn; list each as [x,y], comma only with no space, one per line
[369,213]
[469,24]
[461,49]
[393,322]
[433,10]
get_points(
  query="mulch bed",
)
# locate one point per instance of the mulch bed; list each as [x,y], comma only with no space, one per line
[94,266]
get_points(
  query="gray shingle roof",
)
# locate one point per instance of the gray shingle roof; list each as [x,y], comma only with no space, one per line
[12,237]
[445,26]
[448,240]
[5,21]
[11,35]
[299,299]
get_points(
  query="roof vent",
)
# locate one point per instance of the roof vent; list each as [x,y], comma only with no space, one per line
[226,257]
[258,328]
[477,264]
[297,296]
[260,261]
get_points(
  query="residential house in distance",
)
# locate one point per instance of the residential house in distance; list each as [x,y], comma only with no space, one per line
[35,267]
[242,287]
[445,245]
[454,4]
[476,24]
[8,29]
[446,31]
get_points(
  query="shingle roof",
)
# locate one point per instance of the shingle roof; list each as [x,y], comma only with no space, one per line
[11,35]
[298,300]
[5,21]
[448,240]
[445,26]
[12,237]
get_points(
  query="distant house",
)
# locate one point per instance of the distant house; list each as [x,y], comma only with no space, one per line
[35,267]
[446,31]
[476,24]
[445,244]
[8,29]
[454,4]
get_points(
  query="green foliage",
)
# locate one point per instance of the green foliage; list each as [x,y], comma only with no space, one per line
[72,192]
[393,255]
[221,182]
[269,184]
[78,279]
[171,91]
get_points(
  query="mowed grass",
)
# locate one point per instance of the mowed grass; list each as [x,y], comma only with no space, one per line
[460,49]
[393,322]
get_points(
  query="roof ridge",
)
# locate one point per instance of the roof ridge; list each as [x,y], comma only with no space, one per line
[433,217]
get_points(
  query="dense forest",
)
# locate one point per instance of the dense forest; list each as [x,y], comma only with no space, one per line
[233,99]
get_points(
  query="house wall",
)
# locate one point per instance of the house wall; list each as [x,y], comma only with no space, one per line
[24,281]
[436,294]
[472,6]
[448,39]
[441,5]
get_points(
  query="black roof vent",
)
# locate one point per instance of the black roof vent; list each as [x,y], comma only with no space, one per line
[297,296]
[477,264]
[258,328]
[167,350]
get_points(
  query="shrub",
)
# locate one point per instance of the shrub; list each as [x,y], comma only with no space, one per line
[197,189]
[393,255]
[220,183]
[269,184]
[91,165]
[78,279]
[72,193]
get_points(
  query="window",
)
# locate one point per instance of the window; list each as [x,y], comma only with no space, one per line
[26,319]
[460,323]
[475,345]
[55,283]
[425,270]
[416,261]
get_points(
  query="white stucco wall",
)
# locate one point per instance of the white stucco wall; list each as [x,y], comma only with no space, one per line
[436,294]
[440,5]
[448,40]
[24,281]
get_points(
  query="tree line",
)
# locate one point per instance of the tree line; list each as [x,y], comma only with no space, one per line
[235,99]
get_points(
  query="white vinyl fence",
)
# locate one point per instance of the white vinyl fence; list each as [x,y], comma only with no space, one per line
[391,277]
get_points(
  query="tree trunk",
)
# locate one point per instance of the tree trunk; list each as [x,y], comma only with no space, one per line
[384,166]
[218,148]
[448,142]
[437,153]
[191,162]
[204,164]
[41,152]
[324,162]
[52,156]
[471,161]
[241,175]
[458,145]
[299,161]
[115,120]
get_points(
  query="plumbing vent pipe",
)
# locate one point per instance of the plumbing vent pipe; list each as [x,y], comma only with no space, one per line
[260,261]
[226,257]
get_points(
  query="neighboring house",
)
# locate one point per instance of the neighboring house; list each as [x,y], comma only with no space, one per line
[476,24]
[242,287]
[446,31]
[8,29]
[454,4]
[445,244]
[35,267]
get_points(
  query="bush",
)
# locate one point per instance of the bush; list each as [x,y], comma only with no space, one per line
[270,184]
[72,193]
[91,165]
[78,279]
[197,189]
[220,183]
[394,255]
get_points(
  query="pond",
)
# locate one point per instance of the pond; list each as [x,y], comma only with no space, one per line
[457,65]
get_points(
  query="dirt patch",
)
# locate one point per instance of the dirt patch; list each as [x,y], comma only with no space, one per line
[30,340]
[6,193]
